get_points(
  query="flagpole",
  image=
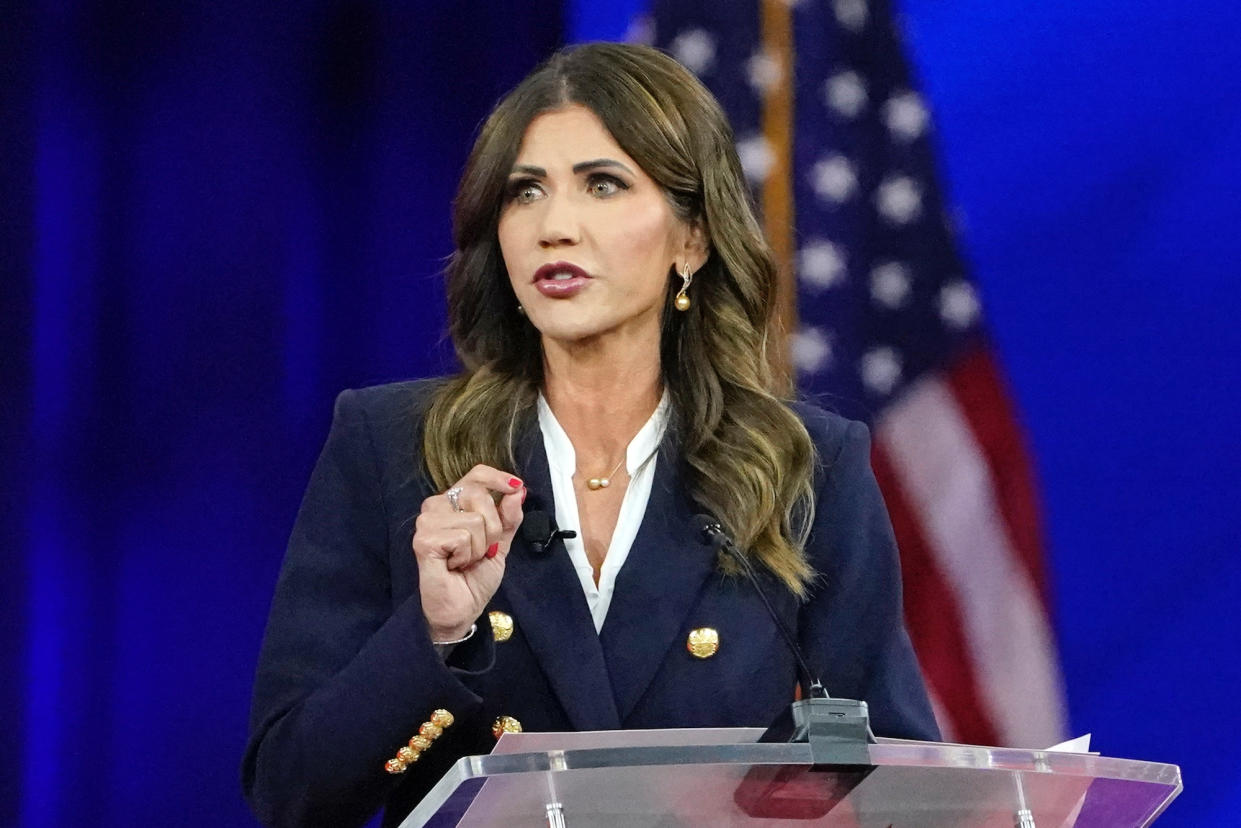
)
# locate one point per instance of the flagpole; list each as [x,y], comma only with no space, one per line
[777,191]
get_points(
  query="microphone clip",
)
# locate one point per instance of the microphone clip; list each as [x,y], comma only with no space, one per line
[540,531]
[557,534]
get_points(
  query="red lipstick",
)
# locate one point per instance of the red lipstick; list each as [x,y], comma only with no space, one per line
[560,280]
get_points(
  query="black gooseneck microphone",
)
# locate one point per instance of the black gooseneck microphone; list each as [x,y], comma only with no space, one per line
[713,534]
[838,730]
[538,528]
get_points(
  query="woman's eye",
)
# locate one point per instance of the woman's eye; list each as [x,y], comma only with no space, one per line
[523,192]
[606,185]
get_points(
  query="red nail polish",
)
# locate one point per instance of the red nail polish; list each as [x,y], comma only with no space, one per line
[493,549]
[514,482]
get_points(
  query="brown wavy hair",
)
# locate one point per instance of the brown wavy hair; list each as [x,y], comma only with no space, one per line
[748,458]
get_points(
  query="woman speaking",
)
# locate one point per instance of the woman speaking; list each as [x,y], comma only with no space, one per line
[611,298]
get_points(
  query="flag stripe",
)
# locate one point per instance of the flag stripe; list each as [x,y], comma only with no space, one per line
[940,467]
[976,382]
[933,615]
[947,732]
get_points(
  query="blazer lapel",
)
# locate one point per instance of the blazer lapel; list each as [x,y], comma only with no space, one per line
[548,603]
[655,589]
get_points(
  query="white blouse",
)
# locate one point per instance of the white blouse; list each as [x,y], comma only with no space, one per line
[639,463]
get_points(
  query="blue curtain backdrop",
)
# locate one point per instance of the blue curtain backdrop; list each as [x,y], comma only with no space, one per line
[216,215]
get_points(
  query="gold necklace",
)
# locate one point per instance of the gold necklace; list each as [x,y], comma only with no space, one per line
[596,483]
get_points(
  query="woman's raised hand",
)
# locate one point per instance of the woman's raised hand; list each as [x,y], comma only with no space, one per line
[461,540]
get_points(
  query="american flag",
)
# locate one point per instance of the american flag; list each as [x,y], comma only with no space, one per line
[836,142]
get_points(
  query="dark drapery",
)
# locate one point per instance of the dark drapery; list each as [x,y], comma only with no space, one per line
[217,215]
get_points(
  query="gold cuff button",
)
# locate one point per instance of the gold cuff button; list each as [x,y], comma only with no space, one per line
[703,642]
[505,724]
[501,625]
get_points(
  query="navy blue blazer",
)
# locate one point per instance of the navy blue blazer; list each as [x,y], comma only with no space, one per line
[348,672]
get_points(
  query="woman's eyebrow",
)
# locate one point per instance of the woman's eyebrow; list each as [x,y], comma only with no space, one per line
[586,166]
[578,168]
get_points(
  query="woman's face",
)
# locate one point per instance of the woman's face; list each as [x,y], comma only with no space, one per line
[588,238]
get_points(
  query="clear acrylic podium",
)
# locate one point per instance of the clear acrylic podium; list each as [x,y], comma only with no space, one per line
[725,777]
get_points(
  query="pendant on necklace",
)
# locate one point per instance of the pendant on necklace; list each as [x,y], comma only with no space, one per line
[597,483]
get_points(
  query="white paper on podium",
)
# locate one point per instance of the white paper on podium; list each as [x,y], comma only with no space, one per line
[1079,745]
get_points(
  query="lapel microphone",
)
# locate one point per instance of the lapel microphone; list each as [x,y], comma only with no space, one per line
[538,529]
